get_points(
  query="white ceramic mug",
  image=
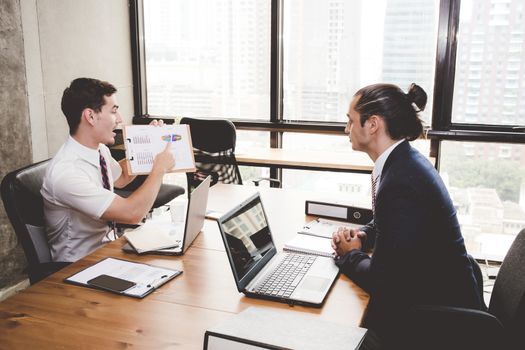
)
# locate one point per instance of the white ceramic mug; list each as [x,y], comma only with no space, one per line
[178,210]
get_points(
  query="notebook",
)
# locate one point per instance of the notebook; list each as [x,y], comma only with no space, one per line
[310,245]
[147,238]
[192,225]
[257,266]
[325,228]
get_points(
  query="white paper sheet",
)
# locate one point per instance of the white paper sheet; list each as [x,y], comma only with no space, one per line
[145,276]
[144,142]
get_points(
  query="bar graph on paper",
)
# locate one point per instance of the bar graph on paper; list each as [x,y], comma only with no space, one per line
[144,142]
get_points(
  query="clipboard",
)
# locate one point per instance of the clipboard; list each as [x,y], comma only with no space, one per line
[144,142]
[110,273]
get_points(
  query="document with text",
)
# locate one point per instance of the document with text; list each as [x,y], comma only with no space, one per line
[325,228]
[144,142]
[144,278]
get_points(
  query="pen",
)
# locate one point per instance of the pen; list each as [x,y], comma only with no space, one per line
[152,284]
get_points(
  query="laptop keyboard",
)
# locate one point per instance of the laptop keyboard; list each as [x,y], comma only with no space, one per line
[286,276]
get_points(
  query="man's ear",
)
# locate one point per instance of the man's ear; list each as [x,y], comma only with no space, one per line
[89,116]
[374,123]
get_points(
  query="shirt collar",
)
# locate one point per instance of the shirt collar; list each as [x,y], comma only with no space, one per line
[380,161]
[88,154]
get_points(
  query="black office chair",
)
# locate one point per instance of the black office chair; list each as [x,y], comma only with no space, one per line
[24,206]
[166,193]
[214,148]
[501,327]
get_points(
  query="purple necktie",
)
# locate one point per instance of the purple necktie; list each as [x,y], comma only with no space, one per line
[104,169]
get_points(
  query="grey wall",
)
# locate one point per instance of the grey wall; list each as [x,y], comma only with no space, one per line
[15,138]
[67,39]
[44,44]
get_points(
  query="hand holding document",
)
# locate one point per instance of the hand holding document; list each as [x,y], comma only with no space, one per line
[144,142]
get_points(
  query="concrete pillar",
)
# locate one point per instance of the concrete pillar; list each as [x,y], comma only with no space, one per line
[15,132]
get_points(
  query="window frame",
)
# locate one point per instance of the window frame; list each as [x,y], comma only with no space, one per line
[441,127]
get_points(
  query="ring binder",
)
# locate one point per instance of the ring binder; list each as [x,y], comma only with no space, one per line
[338,211]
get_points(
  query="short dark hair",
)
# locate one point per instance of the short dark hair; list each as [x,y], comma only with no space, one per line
[81,94]
[399,110]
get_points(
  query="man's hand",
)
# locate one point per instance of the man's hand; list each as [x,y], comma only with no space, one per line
[156,122]
[164,161]
[345,240]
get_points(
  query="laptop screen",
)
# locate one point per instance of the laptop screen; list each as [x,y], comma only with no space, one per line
[247,236]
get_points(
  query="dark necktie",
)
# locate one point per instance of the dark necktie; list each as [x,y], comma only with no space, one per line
[374,184]
[104,170]
[105,182]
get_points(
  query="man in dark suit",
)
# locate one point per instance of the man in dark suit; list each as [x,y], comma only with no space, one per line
[419,256]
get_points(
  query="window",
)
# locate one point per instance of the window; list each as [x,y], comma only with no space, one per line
[213,58]
[487,184]
[492,67]
[207,58]
[331,49]
[248,140]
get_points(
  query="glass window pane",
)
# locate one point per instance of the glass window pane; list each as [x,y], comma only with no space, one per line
[208,58]
[333,48]
[335,143]
[348,188]
[487,184]
[317,142]
[248,140]
[489,63]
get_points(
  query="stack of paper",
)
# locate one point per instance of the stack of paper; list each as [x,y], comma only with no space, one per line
[310,245]
[145,239]
[326,228]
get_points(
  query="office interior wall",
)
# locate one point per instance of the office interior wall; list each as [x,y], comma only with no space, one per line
[15,139]
[45,44]
[65,40]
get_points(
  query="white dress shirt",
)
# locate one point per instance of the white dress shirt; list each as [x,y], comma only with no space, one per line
[380,163]
[75,199]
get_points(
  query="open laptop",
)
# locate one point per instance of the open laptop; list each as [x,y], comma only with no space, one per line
[193,224]
[254,258]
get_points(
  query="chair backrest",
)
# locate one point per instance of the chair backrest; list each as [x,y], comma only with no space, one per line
[479,280]
[507,301]
[24,206]
[214,147]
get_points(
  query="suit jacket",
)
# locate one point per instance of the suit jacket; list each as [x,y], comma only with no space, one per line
[419,256]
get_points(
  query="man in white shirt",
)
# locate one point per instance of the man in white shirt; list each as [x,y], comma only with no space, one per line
[79,202]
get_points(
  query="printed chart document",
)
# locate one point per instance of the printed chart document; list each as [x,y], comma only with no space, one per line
[145,278]
[325,228]
[310,245]
[144,142]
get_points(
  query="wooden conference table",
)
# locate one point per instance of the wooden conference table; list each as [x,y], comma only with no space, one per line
[52,314]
